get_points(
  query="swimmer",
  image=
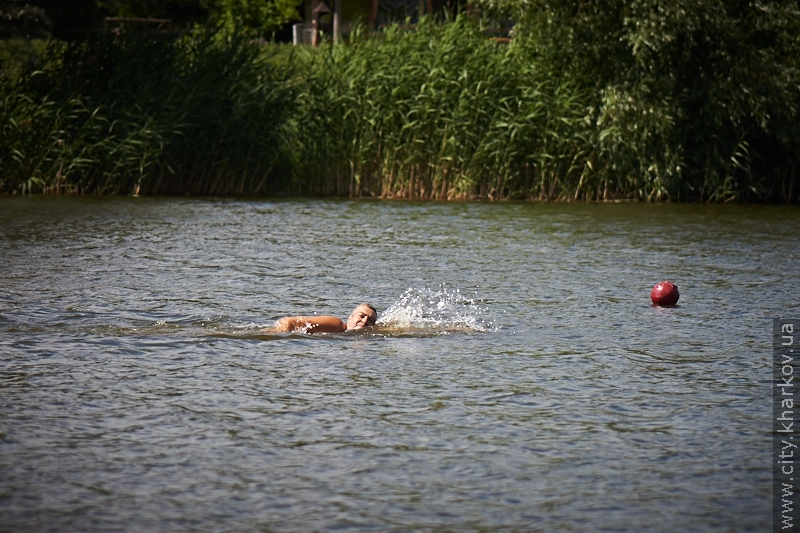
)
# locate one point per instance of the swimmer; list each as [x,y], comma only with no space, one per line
[362,316]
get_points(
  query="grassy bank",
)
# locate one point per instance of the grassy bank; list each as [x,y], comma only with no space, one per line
[438,112]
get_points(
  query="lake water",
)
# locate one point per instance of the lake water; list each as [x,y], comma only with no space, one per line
[518,380]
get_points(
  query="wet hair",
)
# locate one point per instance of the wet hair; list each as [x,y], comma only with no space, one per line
[371,307]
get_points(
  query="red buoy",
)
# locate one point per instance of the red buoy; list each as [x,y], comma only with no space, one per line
[665,293]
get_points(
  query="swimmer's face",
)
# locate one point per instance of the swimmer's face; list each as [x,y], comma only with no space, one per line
[361,317]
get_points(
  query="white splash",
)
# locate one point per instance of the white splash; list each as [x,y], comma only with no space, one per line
[441,309]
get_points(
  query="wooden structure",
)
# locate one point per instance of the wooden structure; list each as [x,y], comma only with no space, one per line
[337,19]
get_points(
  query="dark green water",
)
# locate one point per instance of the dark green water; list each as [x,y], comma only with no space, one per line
[521,380]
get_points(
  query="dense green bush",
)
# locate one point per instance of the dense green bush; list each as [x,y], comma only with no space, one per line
[693,100]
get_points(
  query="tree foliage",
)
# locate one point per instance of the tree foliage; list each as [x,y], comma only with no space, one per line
[32,18]
[704,92]
[262,16]
[41,19]
[23,21]
[182,12]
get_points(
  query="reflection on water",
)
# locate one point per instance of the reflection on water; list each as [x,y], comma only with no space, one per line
[518,378]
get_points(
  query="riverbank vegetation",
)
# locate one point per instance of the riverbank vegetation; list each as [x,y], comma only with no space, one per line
[620,100]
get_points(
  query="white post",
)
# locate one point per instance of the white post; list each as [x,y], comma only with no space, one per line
[337,20]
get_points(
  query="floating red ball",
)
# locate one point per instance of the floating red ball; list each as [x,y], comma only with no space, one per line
[665,293]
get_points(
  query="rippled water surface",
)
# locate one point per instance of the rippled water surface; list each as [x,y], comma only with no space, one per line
[518,379]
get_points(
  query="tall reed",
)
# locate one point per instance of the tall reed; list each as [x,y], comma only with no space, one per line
[436,111]
[143,114]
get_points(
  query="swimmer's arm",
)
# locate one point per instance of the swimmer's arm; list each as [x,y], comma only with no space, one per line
[311,324]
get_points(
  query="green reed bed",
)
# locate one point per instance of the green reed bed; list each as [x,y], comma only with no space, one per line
[436,111]
[442,111]
[142,114]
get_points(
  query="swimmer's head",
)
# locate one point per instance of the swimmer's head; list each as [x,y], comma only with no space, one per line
[362,316]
